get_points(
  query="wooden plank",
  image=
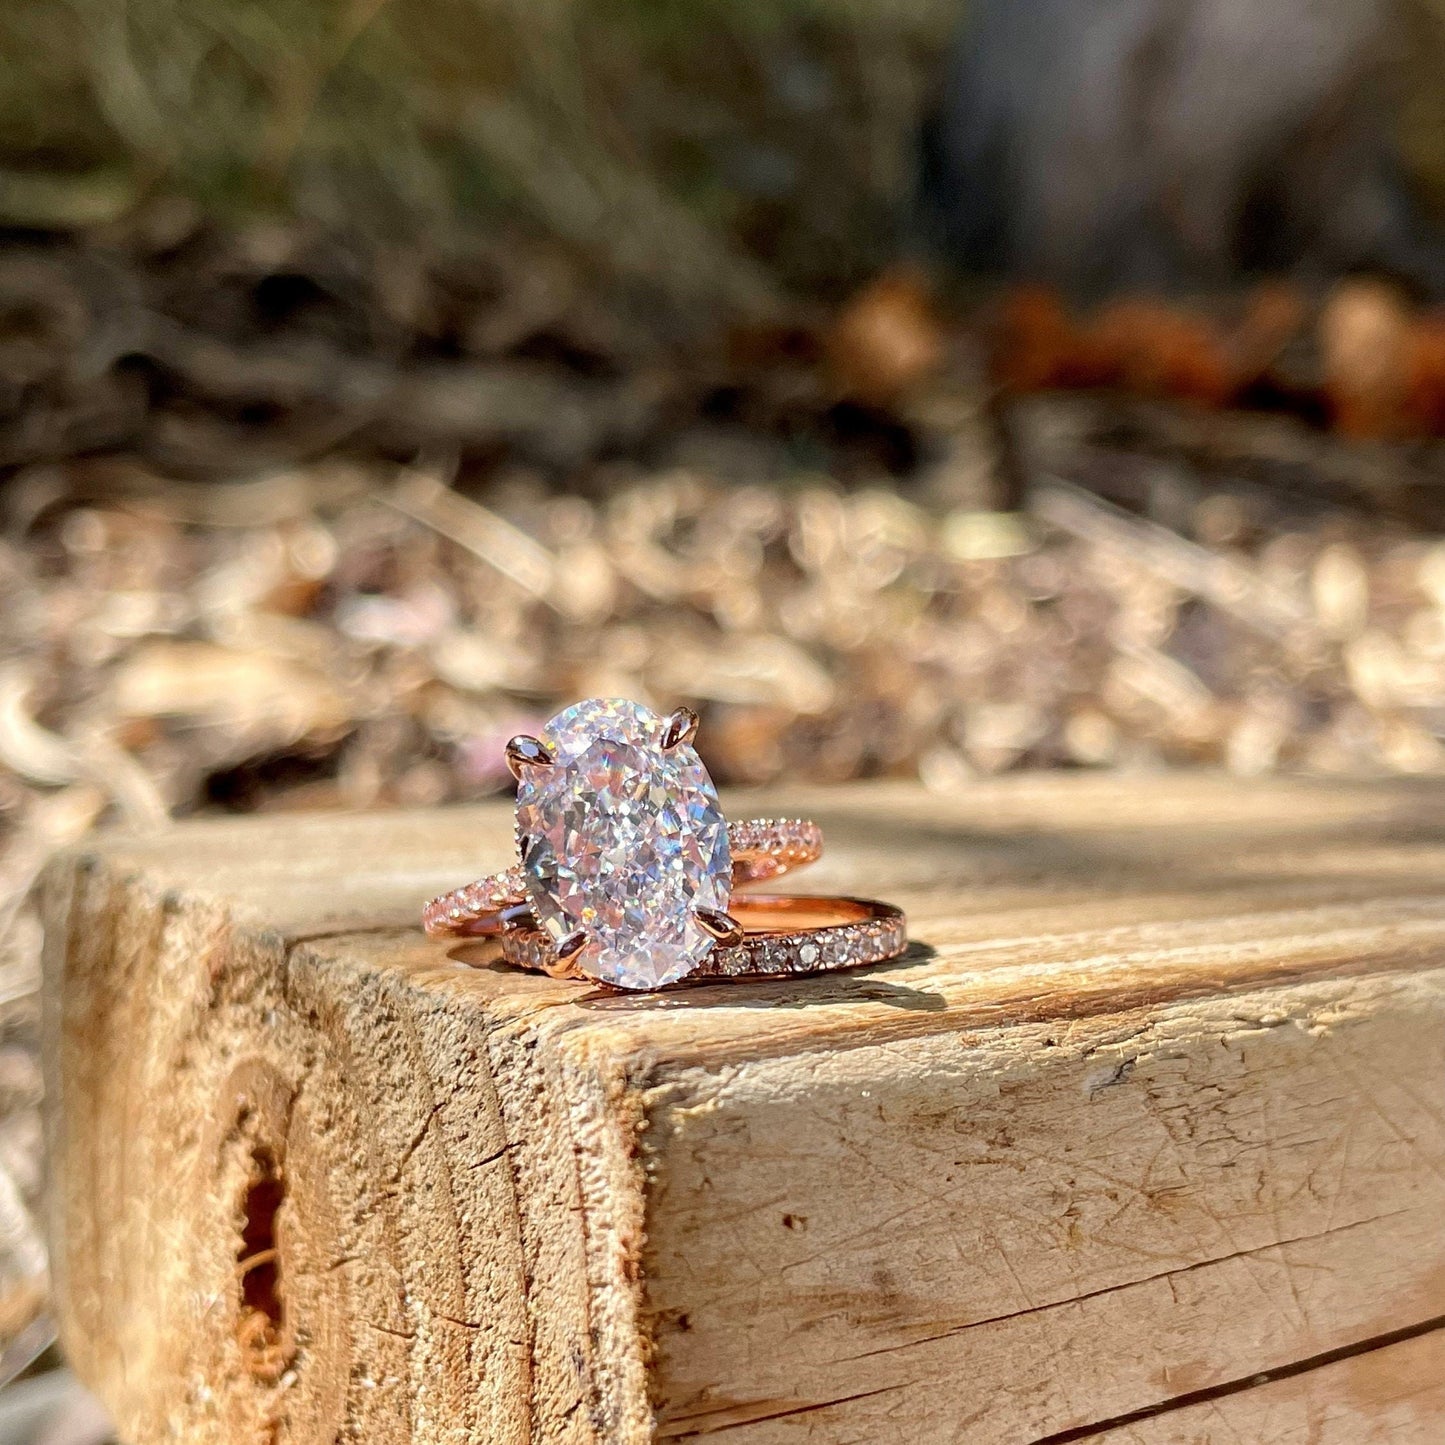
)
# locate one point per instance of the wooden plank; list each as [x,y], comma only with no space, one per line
[1154,1108]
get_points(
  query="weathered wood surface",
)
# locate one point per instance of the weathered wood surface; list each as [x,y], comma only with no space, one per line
[1145,1143]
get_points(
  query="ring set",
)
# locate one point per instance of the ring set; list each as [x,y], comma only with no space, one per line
[628,874]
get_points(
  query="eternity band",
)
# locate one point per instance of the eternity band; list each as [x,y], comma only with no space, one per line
[782,936]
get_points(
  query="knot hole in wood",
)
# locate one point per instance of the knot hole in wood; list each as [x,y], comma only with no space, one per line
[253,1159]
[261,1323]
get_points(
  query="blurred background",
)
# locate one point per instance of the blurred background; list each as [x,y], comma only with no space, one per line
[930,389]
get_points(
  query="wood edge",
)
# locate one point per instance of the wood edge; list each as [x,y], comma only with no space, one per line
[848,1010]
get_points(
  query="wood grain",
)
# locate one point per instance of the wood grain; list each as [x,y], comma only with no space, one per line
[1145,1141]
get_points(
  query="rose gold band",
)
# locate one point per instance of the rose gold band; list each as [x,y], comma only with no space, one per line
[782,936]
[762,849]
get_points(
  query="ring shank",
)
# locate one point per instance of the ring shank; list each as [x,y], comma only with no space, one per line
[766,913]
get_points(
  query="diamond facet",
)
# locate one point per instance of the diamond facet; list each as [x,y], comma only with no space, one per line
[625,841]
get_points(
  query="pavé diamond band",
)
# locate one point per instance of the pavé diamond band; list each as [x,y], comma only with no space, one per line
[781,936]
[627,868]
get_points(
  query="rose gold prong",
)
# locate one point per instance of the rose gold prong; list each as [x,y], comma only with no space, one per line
[721,926]
[681,728]
[526,752]
[564,960]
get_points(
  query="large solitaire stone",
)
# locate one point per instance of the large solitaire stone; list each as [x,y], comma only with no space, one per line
[623,841]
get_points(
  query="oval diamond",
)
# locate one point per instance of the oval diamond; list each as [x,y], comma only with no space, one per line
[623,840]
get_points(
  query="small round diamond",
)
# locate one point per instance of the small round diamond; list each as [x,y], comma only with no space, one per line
[624,840]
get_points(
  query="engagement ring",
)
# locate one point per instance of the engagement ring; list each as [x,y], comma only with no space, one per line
[627,868]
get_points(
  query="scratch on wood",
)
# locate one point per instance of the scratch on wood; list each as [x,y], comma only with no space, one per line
[1236,1387]
[718,1427]
[1168,1275]
[416,1141]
